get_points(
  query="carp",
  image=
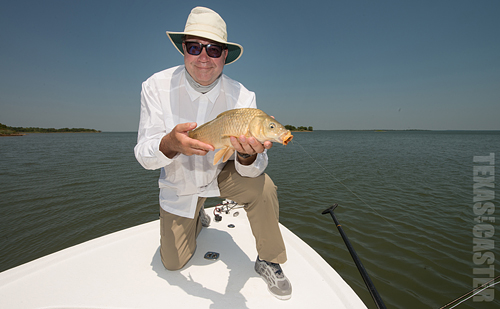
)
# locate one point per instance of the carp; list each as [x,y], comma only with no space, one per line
[250,122]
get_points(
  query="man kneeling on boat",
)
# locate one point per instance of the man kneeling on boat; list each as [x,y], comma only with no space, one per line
[177,100]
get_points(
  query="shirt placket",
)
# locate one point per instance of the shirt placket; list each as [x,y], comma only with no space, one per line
[200,119]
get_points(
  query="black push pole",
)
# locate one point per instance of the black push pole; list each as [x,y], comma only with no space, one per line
[369,284]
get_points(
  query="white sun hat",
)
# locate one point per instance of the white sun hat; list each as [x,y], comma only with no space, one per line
[204,22]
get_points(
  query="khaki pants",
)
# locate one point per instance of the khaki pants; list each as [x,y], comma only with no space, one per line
[178,234]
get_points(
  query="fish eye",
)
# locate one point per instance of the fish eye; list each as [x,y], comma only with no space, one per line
[272,125]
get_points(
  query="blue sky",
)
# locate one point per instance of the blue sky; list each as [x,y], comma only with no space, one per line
[327,64]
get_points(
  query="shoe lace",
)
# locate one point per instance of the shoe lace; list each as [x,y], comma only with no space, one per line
[276,268]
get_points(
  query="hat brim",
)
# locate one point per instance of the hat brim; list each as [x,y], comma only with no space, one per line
[234,50]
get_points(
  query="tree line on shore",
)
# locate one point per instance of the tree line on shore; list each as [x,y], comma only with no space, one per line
[292,128]
[7,130]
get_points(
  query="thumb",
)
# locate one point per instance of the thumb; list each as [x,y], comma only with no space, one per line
[184,127]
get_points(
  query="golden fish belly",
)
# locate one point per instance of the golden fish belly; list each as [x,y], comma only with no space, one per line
[231,123]
[235,122]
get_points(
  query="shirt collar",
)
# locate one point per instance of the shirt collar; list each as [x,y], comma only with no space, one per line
[212,95]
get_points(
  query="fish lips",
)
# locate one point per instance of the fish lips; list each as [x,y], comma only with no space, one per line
[286,138]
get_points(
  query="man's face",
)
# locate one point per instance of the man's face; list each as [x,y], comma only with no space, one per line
[202,68]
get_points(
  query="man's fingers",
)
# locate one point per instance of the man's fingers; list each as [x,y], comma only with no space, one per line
[181,142]
[255,145]
[236,144]
[249,145]
[196,144]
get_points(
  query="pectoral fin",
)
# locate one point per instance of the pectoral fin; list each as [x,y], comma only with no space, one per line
[225,153]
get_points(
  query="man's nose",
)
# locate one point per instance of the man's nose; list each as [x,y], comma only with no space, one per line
[203,56]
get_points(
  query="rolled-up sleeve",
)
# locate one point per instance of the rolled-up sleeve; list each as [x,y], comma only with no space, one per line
[151,131]
[255,169]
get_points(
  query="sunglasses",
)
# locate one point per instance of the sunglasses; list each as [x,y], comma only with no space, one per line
[195,48]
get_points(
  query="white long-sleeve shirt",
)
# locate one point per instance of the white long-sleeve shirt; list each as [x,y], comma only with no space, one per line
[167,99]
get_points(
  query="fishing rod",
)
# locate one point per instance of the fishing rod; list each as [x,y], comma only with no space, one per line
[369,284]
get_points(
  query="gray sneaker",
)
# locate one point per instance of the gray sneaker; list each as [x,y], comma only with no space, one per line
[277,283]
[205,219]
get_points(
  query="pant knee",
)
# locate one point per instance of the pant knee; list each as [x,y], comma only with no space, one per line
[171,266]
[262,187]
[174,261]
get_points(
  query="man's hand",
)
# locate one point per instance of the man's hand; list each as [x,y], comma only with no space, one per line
[250,146]
[178,141]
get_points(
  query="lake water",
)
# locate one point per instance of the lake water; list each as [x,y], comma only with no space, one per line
[406,203]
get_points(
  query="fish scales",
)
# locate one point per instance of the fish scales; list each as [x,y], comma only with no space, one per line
[250,122]
[231,123]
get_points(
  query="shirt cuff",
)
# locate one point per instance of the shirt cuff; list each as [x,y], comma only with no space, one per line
[253,170]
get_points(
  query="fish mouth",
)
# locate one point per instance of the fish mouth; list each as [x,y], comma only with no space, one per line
[287,137]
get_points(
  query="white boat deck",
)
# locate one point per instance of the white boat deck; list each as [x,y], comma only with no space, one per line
[124,270]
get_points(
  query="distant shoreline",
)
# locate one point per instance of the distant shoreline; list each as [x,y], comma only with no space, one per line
[23,134]
[21,131]
[12,134]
